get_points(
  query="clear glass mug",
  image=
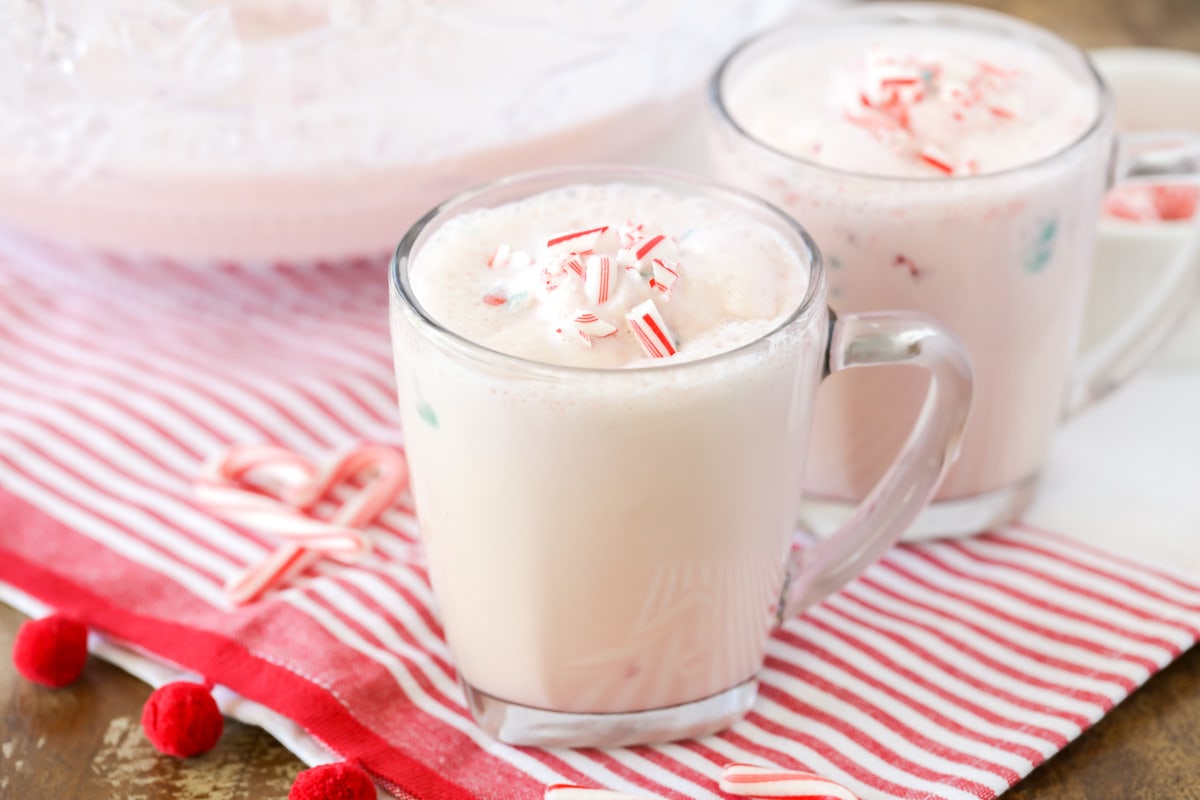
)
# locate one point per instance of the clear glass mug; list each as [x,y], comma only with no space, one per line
[1005,263]
[609,549]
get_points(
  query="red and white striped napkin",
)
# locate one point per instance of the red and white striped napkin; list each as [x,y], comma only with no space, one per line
[949,670]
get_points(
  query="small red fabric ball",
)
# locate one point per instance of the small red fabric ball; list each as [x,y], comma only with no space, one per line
[341,781]
[182,719]
[51,651]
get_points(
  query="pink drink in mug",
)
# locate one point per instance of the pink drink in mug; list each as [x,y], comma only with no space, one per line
[951,161]
[606,380]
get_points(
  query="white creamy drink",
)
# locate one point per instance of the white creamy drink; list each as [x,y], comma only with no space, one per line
[944,168]
[607,527]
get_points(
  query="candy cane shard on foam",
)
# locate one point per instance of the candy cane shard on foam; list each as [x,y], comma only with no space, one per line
[500,257]
[600,278]
[747,780]
[575,263]
[592,325]
[576,240]
[563,791]
[657,246]
[937,158]
[554,273]
[651,330]
[629,232]
[665,276]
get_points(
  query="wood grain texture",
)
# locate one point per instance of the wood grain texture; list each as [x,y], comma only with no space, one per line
[1107,23]
[85,741]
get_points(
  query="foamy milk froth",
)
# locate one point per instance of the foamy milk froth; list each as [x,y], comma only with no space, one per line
[609,539]
[735,281]
[870,102]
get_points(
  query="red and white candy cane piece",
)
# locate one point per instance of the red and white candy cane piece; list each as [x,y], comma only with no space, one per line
[575,264]
[565,791]
[576,239]
[651,330]
[748,780]
[500,257]
[574,335]
[627,260]
[665,276]
[554,273]
[592,325]
[657,246]
[937,158]
[235,484]
[629,232]
[600,279]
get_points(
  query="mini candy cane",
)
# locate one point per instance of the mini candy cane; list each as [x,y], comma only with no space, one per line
[750,781]
[600,278]
[651,330]
[565,791]
[223,486]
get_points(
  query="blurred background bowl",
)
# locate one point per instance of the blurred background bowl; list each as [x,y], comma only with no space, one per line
[310,129]
[1154,90]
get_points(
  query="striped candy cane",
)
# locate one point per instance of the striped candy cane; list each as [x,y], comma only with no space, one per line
[274,490]
[748,780]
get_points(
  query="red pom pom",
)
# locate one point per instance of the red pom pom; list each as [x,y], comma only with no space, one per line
[182,719]
[341,781]
[51,651]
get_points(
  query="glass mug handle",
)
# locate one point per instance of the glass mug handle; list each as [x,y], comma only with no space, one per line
[873,339]
[1152,157]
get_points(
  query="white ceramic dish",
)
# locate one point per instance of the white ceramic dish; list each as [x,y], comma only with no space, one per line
[1154,90]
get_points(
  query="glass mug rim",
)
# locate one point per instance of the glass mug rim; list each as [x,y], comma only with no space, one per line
[540,180]
[943,14]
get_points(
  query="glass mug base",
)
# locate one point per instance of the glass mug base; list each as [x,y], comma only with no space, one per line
[941,519]
[516,724]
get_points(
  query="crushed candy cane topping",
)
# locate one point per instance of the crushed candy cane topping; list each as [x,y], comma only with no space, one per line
[897,87]
[594,262]
[553,277]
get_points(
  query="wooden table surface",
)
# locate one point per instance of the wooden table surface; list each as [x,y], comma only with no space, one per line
[85,741]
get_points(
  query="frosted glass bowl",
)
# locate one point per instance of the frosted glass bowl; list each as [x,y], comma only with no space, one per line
[299,129]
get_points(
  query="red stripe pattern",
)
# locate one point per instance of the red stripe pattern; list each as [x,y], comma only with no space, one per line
[948,671]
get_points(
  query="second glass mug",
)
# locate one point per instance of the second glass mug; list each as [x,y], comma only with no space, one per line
[1004,262]
[609,549]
